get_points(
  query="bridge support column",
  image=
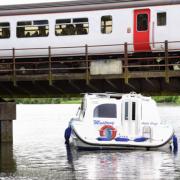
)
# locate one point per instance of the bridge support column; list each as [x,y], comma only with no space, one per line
[7,115]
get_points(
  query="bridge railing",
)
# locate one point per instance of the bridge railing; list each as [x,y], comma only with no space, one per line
[164,60]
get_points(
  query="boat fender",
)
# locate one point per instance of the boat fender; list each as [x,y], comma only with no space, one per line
[122,139]
[140,139]
[67,134]
[175,143]
[108,131]
[103,139]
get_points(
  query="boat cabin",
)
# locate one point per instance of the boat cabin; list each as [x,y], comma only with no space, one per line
[130,114]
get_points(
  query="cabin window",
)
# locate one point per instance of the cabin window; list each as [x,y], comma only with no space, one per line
[126,110]
[105,111]
[76,26]
[161,19]
[133,111]
[4,30]
[106,24]
[142,22]
[38,28]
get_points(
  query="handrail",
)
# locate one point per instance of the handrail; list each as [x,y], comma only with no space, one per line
[90,46]
[52,63]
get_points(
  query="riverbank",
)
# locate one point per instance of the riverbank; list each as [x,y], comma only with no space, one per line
[77,100]
[72,100]
[167,99]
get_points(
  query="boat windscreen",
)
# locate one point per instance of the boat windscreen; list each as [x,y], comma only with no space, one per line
[105,111]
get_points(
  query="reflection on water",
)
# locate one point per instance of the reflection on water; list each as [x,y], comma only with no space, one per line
[125,164]
[39,152]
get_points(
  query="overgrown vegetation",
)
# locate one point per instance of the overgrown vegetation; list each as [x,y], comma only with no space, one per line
[167,99]
[48,100]
[77,100]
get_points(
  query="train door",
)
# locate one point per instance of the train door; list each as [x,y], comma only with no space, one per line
[130,118]
[142,30]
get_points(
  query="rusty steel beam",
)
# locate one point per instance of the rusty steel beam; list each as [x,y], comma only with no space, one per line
[111,84]
[87,64]
[72,83]
[126,71]
[14,68]
[50,66]
[150,82]
[82,76]
[151,86]
[166,62]
[92,87]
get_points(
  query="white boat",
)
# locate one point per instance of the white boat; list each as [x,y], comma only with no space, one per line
[116,121]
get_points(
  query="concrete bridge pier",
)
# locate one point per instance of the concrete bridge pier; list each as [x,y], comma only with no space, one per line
[7,115]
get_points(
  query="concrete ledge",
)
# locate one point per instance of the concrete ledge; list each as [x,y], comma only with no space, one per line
[7,111]
[106,67]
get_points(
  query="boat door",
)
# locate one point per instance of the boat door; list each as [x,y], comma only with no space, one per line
[142,30]
[130,118]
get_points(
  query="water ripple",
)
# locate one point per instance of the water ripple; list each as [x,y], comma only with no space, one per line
[39,152]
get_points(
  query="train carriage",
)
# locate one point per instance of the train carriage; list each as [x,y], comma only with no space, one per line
[104,26]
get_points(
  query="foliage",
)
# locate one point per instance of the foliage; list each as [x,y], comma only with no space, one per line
[77,100]
[167,99]
[48,100]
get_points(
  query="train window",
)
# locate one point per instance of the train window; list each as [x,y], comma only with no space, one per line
[4,30]
[38,28]
[161,19]
[76,26]
[63,21]
[106,24]
[81,26]
[24,23]
[64,27]
[142,22]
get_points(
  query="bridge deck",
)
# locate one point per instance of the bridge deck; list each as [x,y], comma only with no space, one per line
[30,77]
[82,76]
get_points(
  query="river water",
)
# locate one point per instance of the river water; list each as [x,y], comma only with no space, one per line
[39,153]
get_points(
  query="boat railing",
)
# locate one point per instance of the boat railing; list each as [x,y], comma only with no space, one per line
[147,132]
[107,94]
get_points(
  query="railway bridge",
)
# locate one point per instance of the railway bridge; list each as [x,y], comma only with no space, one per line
[57,76]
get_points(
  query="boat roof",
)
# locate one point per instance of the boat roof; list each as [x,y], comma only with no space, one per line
[110,95]
[78,5]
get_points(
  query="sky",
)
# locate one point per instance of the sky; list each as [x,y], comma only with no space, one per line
[10,2]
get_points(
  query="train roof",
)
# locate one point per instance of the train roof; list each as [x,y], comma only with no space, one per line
[79,5]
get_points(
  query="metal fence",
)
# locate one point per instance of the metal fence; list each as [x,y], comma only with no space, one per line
[160,61]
